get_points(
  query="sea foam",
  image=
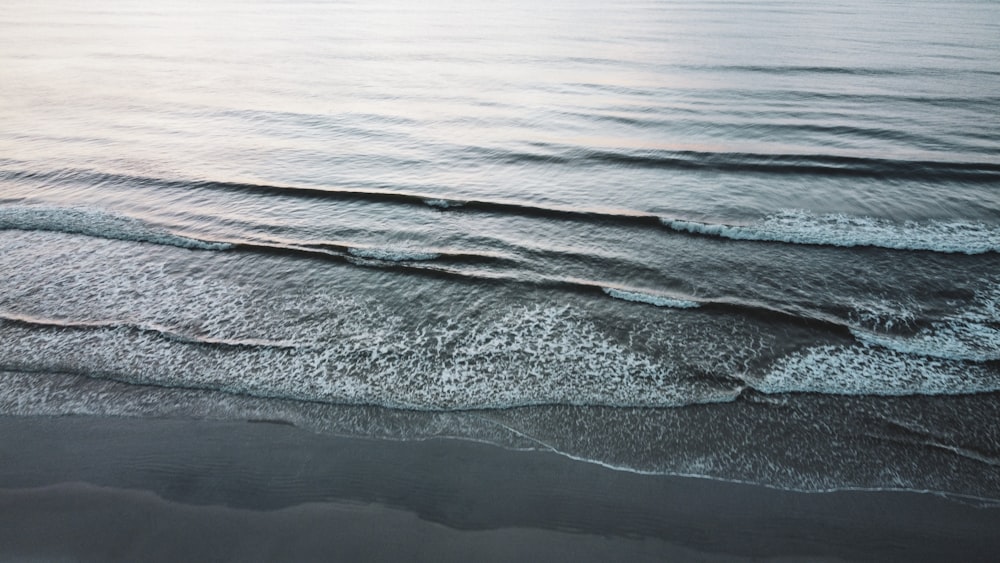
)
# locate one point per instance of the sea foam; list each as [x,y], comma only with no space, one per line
[521,356]
[870,370]
[442,203]
[335,345]
[658,300]
[972,334]
[803,227]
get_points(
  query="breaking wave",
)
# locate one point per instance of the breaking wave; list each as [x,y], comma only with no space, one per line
[804,227]
[972,334]
[869,370]
[658,300]
[392,255]
[96,223]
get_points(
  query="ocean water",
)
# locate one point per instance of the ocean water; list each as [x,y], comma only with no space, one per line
[747,241]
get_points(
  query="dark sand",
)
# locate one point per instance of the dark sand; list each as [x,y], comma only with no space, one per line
[119,489]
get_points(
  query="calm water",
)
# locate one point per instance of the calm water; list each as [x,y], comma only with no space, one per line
[769,227]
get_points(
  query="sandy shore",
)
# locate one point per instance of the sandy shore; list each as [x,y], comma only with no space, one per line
[100,489]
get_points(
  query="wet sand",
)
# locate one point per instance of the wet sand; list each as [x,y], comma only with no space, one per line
[121,489]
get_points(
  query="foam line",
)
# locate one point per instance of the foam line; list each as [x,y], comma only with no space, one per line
[971,334]
[803,227]
[870,370]
[392,255]
[658,300]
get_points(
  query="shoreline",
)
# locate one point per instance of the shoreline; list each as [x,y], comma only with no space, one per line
[104,488]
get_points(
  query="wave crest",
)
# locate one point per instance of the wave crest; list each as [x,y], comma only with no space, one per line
[658,300]
[96,223]
[870,370]
[797,226]
[972,334]
[390,255]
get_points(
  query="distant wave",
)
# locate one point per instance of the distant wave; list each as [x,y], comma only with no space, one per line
[762,163]
[849,70]
[96,223]
[804,227]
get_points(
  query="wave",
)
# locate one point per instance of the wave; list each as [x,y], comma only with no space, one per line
[869,370]
[972,334]
[805,69]
[392,255]
[462,267]
[438,263]
[971,342]
[337,194]
[789,226]
[803,227]
[345,349]
[776,164]
[526,356]
[516,356]
[760,163]
[969,336]
[793,226]
[651,299]
[96,223]
[144,327]
[103,224]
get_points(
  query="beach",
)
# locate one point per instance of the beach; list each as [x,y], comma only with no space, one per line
[122,489]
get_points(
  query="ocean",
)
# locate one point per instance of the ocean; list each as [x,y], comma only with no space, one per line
[754,242]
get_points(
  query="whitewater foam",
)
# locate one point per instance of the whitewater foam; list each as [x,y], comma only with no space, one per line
[442,203]
[521,356]
[140,290]
[868,370]
[972,334]
[346,348]
[803,227]
[96,223]
[343,347]
[658,300]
